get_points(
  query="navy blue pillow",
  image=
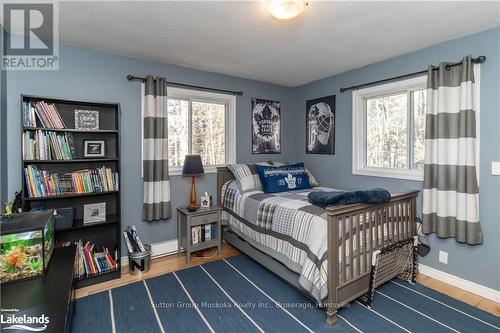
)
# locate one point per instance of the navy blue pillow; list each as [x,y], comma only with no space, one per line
[283,178]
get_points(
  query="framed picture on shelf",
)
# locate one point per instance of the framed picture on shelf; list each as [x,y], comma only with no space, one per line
[93,213]
[266,126]
[320,125]
[87,120]
[205,200]
[94,148]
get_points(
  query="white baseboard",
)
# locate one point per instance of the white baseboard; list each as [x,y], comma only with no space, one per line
[158,250]
[456,281]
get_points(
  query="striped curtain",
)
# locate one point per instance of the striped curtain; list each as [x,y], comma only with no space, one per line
[156,205]
[451,190]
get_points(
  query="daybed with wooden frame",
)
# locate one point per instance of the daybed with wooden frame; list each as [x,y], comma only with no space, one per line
[396,220]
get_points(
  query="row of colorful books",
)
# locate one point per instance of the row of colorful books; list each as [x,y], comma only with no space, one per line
[91,262]
[43,183]
[46,145]
[203,233]
[41,114]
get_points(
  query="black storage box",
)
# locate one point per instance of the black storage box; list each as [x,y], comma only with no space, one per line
[63,218]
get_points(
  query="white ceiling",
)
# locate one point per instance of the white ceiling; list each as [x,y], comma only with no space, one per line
[241,39]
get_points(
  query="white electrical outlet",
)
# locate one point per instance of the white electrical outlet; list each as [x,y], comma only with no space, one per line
[443,257]
[495,168]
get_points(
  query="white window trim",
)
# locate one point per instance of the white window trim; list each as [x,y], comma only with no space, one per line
[359,129]
[229,100]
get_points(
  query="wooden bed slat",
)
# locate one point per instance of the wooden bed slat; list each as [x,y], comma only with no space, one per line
[365,227]
[377,221]
[408,219]
[403,220]
[380,228]
[351,253]
[344,262]
[398,219]
[358,244]
[370,226]
[393,222]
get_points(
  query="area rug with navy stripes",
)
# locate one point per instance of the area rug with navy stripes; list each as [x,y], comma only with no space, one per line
[236,294]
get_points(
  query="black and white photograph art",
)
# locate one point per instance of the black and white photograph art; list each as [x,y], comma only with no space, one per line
[266,126]
[93,213]
[93,148]
[320,125]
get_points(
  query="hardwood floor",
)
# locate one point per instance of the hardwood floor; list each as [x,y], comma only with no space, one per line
[173,262]
[460,294]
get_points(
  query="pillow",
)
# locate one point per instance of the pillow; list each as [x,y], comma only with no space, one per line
[283,178]
[246,176]
[312,180]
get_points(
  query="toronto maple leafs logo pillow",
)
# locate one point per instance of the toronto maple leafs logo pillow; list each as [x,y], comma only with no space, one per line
[283,178]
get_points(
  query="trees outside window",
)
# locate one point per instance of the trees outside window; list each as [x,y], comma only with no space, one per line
[200,123]
[389,129]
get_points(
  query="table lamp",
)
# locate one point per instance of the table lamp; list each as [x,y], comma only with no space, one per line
[193,167]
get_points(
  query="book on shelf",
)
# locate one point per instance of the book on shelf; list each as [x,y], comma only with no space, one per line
[46,145]
[43,183]
[213,231]
[203,233]
[42,114]
[194,239]
[207,232]
[90,262]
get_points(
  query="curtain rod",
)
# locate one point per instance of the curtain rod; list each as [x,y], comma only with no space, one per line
[477,60]
[175,84]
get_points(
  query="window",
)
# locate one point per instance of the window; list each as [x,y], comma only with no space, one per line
[201,123]
[389,129]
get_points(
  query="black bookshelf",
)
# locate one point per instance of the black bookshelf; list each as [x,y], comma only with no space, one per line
[69,196]
[87,160]
[70,130]
[102,234]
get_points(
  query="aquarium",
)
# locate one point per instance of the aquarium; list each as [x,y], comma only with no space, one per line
[26,244]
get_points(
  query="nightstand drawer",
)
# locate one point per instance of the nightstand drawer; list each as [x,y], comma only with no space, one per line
[204,219]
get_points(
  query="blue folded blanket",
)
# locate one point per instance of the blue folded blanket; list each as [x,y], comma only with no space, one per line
[372,196]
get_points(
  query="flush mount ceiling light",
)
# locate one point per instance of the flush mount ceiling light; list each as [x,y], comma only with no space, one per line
[286,10]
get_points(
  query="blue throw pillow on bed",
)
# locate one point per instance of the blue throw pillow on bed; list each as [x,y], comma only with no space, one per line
[283,178]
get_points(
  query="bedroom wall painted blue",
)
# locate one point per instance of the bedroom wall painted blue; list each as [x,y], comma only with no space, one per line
[91,75]
[480,263]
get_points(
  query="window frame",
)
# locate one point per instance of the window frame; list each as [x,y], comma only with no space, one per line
[208,97]
[359,128]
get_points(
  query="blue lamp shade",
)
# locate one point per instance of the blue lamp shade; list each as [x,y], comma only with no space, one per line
[192,166]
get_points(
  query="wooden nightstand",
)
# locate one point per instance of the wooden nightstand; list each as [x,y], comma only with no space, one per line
[198,230]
